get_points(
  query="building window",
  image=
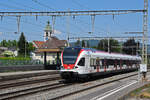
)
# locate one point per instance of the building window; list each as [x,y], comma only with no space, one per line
[46,33]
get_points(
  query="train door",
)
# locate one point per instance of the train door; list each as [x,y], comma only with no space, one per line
[87,64]
[97,65]
[92,65]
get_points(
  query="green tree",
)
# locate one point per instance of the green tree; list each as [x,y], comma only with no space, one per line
[4,43]
[88,45]
[103,45]
[130,47]
[31,48]
[77,43]
[14,43]
[22,45]
[113,45]
[9,43]
[83,43]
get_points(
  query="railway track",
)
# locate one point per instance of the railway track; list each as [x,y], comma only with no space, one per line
[57,85]
[15,94]
[89,87]
[32,81]
[9,88]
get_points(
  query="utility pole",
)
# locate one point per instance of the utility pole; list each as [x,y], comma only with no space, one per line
[145,33]
[68,27]
[108,41]
[143,66]
[18,24]
[25,49]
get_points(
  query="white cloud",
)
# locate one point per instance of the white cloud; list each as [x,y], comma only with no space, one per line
[57,32]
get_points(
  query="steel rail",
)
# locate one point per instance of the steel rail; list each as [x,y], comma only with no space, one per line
[91,87]
[4,86]
[15,94]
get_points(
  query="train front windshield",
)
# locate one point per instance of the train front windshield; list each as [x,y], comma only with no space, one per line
[70,55]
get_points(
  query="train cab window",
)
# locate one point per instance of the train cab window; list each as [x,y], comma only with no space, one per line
[82,62]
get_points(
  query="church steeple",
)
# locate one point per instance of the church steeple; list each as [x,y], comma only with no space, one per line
[47,31]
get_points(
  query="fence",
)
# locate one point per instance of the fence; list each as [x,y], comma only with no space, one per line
[19,62]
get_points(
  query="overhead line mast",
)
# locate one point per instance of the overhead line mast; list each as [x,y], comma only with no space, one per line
[71,13]
[100,38]
[145,32]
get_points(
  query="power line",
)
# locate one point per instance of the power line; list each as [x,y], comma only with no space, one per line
[99,38]
[10,6]
[79,4]
[96,27]
[41,4]
[41,26]
[23,5]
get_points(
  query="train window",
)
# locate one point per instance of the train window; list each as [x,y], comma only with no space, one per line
[111,62]
[91,62]
[106,63]
[124,62]
[133,62]
[117,62]
[94,62]
[82,62]
[97,62]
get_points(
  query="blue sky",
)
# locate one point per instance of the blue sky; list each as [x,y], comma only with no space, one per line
[80,26]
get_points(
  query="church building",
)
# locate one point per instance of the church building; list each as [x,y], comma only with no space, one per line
[48,51]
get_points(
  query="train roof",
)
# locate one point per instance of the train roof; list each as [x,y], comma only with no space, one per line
[111,55]
[107,55]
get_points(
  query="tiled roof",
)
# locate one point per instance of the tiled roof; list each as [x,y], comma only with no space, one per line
[53,43]
[37,44]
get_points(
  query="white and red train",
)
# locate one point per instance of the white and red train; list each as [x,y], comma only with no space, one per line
[85,62]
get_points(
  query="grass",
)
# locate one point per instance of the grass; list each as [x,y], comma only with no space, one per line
[15,58]
[142,92]
[7,61]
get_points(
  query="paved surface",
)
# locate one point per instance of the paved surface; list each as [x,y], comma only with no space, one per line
[115,90]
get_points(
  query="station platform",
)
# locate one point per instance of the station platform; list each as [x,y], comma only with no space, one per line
[25,74]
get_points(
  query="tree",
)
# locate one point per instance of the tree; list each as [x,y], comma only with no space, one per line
[88,45]
[102,45]
[130,47]
[4,43]
[30,47]
[14,43]
[113,45]
[83,43]
[22,45]
[77,43]
[9,43]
